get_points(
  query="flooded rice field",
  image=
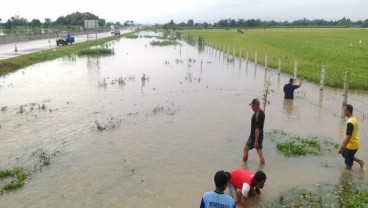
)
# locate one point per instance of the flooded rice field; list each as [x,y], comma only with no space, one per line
[149,127]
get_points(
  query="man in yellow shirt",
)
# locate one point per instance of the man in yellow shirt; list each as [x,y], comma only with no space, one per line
[351,143]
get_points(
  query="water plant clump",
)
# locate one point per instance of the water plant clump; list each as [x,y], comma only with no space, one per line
[164,43]
[96,51]
[17,176]
[299,146]
[294,145]
[111,123]
[132,36]
[4,108]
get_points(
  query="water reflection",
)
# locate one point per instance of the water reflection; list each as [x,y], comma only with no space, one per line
[93,63]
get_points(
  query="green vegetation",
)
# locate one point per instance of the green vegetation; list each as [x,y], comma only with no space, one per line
[13,64]
[132,36]
[339,49]
[96,51]
[18,175]
[300,146]
[292,145]
[164,43]
[346,194]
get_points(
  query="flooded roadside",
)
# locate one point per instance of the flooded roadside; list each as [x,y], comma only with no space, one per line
[163,138]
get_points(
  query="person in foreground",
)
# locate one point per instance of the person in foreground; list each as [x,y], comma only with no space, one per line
[290,87]
[249,182]
[218,198]
[255,139]
[351,143]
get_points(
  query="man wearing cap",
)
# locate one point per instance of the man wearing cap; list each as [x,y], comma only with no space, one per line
[248,182]
[218,198]
[255,139]
[290,87]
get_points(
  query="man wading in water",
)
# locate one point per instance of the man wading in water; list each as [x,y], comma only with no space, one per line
[351,142]
[255,139]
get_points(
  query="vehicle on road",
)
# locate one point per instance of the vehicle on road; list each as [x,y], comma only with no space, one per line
[115,31]
[65,38]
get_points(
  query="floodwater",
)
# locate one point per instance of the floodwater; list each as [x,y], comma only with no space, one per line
[164,138]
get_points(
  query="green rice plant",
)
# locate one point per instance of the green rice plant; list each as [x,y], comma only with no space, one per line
[18,175]
[339,49]
[164,43]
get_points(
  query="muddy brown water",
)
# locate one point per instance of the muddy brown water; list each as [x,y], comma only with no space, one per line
[164,138]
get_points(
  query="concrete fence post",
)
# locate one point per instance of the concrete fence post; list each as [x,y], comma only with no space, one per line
[279,67]
[346,88]
[255,58]
[266,62]
[322,82]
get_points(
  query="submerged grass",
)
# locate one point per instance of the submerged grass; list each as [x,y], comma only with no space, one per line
[13,64]
[338,48]
[164,43]
[96,51]
[348,193]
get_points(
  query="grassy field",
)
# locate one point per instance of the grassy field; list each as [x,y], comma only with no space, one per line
[339,50]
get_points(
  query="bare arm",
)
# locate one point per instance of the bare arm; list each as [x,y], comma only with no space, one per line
[243,201]
[344,143]
[300,83]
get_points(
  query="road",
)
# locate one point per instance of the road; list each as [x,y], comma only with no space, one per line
[10,50]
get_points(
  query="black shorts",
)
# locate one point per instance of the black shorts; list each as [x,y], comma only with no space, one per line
[250,143]
[349,156]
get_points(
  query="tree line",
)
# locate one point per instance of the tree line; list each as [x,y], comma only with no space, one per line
[254,23]
[74,19]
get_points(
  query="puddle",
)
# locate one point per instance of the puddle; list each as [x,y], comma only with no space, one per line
[163,137]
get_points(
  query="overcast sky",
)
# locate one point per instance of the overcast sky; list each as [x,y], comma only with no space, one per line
[162,11]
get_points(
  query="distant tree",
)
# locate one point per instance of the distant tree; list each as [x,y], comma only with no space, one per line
[365,23]
[18,21]
[8,25]
[190,22]
[47,22]
[35,23]
[205,25]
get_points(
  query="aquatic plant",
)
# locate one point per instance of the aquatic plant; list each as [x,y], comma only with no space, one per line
[21,109]
[266,85]
[18,175]
[164,43]
[299,146]
[294,145]
[111,123]
[4,108]
[96,51]
[132,36]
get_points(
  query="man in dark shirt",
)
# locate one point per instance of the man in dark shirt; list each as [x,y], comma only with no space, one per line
[255,139]
[289,88]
